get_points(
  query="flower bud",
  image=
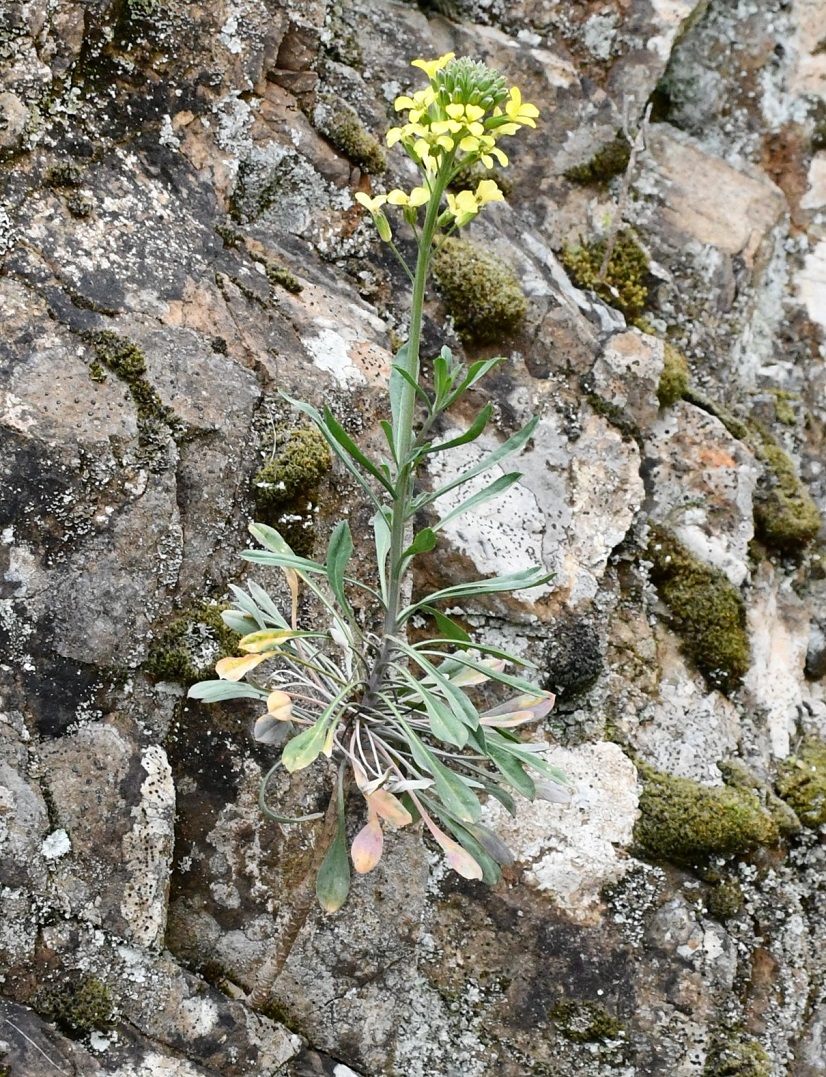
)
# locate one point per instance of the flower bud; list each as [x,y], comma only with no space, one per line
[382,226]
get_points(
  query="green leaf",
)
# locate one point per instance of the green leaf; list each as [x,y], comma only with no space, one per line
[403,374]
[423,542]
[447,626]
[246,604]
[453,792]
[512,770]
[444,724]
[514,581]
[455,661]
[388,436]
[456,698]
[442,380]
[383,538]
[311,412]
[474,431]
[340,435]
[305,747]
[475,371]
[302,565]
[270,538]
[339,552]
[239,622]
[508,448]
[332,884]
[499,486]
[490,869]
[266,604]
[217,691]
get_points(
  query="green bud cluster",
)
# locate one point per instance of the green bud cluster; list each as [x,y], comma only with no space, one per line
[470,82]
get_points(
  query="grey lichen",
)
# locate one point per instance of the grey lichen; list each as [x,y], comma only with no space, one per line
[481,292]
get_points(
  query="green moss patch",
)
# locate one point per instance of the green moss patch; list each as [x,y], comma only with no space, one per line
[187,649]
[687,823]
[725,900]
[341,125]
[785,516]
[80,1007]
[609,161]
[624,285]
[481,292]
[707,611]
[802,783]
[284,487]
[584,1022]
[674,379]
[282,277]
[736,1054]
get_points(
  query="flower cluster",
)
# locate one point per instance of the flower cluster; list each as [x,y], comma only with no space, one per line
[453,123]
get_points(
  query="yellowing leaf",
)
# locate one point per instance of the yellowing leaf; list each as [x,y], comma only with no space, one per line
[467,676]
[279,706]
[508,721]
[304,748]
[256,642]
[368,844]
[389,808]
[459,859]
[233,669]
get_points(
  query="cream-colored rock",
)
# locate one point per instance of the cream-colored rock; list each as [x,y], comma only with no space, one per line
[628,372]
[745,205]
[571,852]
[701,483]
[815,196]
[810,283]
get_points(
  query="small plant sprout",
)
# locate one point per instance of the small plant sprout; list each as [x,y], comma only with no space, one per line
[398,721]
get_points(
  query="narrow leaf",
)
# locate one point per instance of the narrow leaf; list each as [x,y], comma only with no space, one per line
[340,435]
[513,581]
[218,691]
[475,371]
[452,791]
[423,542]
[475,430]
[499,486]
[266,604]
[389,807]
[513,771]
[447,626]
[239,622]
[271,639]
[339,552]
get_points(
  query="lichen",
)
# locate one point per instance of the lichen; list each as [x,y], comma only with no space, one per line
[480,291]
[80,1007]
[686,823]
[785,516]
[283,488]
[801,782]
[230,237]
[79,205]
[584,1022]
[187,649]
[674,379]
[610,160]
[624,284]
[341,125]
[734,1053]
[706,610]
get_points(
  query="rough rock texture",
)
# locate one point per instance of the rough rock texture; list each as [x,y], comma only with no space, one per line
[179,243]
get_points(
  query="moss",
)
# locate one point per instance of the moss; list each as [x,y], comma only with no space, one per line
[80,1007]
[617,416]
[610,160]
[480,291]
[737,775]
[344,129]
[281,276]
[187,650]
[674,378]
[687,823]
[802,783]
[229,236]
[736,1054]
[725,900]
[706,610]
[784,406]
[624,285]
[66,174]
[470,176]
[284,486]
[736,427]
[785,516]
[79,205]
[125,359]
[584,1022]
[96,372]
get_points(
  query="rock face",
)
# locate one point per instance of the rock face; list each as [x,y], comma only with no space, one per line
[179,245]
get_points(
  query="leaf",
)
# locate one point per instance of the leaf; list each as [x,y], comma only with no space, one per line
[552,792]
[271,639]
[491,843]
[267,604]
[508,448]
[513,581]
[269,730]
[332,884]
[233,669]
[218,691]
[478,673]
[366,850]
[305,747]
[499,486]
[475,430]
[459,859]
[475,371]
[383,538]
[239,622]
[451,789]
[483,668]
[444,725]
[447,626]
[388,437]
[538,702]
[460,704]
[512,770]
[245,603]
[339,552]
[340,435]
[389,807]
[270,538]
[423,542]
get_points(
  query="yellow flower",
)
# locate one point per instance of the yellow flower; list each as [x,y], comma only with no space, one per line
[430,67]
[519,111]
[372,204]
[417,197]
[487,191]
[463,206]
